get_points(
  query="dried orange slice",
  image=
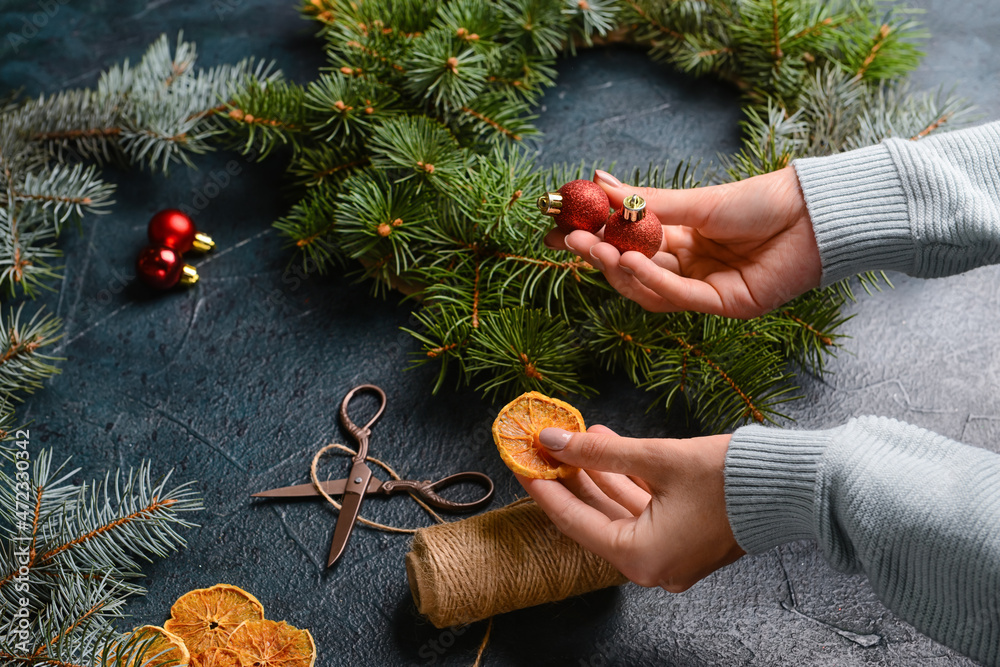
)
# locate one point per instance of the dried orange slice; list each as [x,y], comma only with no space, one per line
[273,644]
[218,657]
[516,430]
[162,649]
[205,617]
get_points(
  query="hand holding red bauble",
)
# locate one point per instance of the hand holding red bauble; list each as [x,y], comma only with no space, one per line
[634,227]
[577,205]
[175,230]
[162,268]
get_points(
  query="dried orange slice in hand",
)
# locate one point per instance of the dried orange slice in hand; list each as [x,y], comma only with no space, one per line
[516,430]
[204,618]
[162,648]
[273,644]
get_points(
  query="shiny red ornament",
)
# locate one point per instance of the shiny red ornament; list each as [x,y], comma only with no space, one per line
[175,229]
[579,204]
[634,227]
[162,268]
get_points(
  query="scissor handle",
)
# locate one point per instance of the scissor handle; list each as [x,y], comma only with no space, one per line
[428,491]
[361,433]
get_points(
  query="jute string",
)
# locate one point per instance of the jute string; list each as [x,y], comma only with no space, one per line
[384,466]
[506,559]
[510,558]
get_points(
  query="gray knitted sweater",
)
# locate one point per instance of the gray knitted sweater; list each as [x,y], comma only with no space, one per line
[918,513]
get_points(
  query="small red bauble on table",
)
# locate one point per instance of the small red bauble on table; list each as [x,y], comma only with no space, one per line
[162,268]
[634,227]
[577,205]
[175,230]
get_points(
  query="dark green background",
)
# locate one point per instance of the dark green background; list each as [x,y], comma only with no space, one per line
[236,382]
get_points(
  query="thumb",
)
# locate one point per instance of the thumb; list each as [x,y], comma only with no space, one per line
[599,450]
[690,207]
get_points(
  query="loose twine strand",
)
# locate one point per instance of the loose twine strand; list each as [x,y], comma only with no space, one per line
[384,466]
[381,526]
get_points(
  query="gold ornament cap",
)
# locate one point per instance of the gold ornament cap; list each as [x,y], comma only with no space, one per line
[550,203]
[634,208]
[189,275]
[203,243]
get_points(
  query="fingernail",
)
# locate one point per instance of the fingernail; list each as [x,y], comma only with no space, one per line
[606,178]
[554,438]
[626,269]
[568,245]
[596,263]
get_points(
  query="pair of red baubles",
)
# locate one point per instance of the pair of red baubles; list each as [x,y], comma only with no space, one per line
[584,205]
[171,234]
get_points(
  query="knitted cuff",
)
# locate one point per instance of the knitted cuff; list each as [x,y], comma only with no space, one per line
[859,212]
[771,477]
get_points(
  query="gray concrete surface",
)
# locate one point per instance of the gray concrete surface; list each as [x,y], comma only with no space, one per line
[236,382]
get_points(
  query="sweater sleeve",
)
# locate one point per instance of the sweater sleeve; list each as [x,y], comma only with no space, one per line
[928,208]
[918,513]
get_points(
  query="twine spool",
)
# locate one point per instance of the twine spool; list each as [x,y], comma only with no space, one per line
[499,561]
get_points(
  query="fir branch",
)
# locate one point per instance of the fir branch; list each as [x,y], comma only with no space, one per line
[443,337]
[419,146]
[81,562]
[690,350]
[23,364]
[877,44]
[492,123]
[538,25]
[443,69]
[528,349]
[646,16]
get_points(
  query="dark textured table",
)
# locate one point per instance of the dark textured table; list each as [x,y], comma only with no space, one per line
[236,382]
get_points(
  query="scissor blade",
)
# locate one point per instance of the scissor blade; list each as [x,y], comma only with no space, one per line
[334,487]
[354,493]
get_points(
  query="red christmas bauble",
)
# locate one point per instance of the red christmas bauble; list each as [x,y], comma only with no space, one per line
[579,204]
[634,227]
[162,268]
[175,229]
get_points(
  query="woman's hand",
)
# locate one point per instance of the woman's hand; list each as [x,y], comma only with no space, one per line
[738,250]
[655,509]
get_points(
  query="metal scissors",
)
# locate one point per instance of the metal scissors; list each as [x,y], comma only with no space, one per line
[361,482]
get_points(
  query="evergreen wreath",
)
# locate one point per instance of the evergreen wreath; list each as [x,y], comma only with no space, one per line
[409,150]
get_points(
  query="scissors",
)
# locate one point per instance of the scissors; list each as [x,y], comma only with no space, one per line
[361,482]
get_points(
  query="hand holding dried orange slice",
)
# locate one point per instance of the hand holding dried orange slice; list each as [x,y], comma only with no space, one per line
[273,644]
[205,617]
[516,430]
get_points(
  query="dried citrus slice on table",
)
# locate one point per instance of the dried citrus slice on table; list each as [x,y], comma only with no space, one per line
[218,657]
[516,430]
[204,618]
[273,644]
[162,649]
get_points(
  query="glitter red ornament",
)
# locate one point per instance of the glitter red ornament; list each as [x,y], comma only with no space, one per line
[174,229]
[162,268]
[634,227]
[577,205]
